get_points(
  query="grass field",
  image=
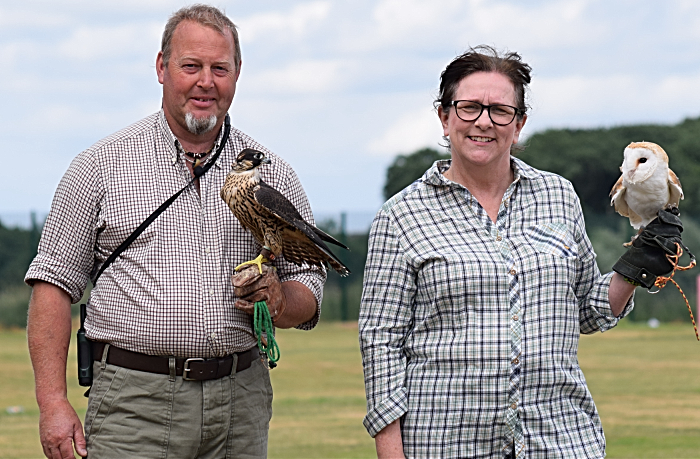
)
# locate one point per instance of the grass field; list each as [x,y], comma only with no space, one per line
[646,384]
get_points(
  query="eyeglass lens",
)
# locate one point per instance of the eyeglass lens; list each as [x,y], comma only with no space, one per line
[499,114]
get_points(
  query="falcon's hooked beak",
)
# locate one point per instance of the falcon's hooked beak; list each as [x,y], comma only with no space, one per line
[265,160]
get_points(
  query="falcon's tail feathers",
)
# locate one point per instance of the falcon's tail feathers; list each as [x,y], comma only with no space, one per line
[328,238]
[313,233]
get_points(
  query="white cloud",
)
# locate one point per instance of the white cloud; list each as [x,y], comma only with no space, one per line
[407,24]
[90,42]
[607,99]
[301,77]
[295,23]
[25,18]
[412,131]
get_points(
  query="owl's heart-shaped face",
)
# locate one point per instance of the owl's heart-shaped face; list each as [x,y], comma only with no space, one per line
[641,162]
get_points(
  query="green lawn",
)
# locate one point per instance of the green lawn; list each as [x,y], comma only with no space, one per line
[646,384]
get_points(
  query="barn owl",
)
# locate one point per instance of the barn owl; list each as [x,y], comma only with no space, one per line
[646,186]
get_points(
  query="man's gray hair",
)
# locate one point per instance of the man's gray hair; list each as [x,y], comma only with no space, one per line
[205,15]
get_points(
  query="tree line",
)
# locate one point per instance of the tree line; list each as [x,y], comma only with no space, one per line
[589,158]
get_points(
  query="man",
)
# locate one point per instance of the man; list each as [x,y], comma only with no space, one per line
[169,294]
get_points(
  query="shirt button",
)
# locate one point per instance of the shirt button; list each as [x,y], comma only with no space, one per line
[515,317]
[512,272]
[514,406]
[207,250]
[213,335]
[516,361]
[498,238]
[211,291]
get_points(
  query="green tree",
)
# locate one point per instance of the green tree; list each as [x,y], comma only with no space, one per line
[591,158]
[405,169]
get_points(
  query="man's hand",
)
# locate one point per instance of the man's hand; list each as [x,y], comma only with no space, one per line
[250,287]
[646,259]
[59,429]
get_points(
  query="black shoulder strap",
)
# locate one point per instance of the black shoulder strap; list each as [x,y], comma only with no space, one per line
[198,172]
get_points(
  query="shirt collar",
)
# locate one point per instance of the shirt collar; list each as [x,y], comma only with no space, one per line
[171,140]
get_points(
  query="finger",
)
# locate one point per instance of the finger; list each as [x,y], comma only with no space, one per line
[248,308]
[244,279]
[259,295]
[79,439]
[249,272]
[66,450]
[243,292]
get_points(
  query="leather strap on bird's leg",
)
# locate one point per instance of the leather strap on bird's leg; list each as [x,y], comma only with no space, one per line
[266,252]
[662,280]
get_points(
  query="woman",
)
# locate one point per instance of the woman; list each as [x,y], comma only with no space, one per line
[479,280]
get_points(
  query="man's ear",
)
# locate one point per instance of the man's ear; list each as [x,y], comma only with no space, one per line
[160,67]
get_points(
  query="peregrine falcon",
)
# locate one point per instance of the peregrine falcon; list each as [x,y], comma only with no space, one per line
[273,220]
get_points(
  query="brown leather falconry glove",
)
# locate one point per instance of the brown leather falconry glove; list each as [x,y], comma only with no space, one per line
[249,286]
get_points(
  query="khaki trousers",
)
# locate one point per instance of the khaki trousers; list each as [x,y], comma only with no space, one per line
[133,414]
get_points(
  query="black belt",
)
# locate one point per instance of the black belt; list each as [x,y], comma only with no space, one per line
[195,369]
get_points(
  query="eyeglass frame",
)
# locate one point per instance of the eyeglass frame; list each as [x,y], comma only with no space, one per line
[488,110]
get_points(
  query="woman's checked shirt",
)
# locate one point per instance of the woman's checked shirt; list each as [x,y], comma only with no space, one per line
[469,329]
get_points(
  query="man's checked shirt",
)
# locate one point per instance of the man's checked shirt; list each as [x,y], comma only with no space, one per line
[469,329]
[170,292]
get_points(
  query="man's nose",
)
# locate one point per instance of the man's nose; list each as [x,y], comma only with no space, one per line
[206,79]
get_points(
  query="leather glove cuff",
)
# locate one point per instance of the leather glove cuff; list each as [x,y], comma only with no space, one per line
[646,259]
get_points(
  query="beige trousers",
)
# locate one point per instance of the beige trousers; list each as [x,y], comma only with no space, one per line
[133,414]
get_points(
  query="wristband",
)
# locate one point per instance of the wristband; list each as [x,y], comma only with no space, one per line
[630,281]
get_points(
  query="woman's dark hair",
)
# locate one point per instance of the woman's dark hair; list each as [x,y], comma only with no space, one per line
[484,59]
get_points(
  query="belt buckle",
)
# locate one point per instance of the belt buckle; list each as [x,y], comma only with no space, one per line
[186,368]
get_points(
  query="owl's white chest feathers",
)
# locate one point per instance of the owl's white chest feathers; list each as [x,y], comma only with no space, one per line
[647,197]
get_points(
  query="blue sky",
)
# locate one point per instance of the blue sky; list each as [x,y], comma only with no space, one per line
[337,88]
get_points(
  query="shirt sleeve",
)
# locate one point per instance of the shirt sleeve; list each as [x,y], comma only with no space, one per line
[385,320]
[312,277]
[595,313]
[65,256]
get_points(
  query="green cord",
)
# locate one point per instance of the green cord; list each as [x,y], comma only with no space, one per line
[263,323]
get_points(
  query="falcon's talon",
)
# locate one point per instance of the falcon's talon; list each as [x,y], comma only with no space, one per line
[259,260]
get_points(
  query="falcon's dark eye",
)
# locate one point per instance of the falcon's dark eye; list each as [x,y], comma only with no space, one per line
[258,156]
[642,160]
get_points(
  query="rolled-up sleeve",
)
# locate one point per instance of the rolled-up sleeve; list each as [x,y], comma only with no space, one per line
[66,256]
[592,288]
[385,320]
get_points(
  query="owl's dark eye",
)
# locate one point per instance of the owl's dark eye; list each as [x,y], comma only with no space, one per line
[642,160]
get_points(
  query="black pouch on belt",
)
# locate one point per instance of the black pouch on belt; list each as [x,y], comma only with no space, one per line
[84,352]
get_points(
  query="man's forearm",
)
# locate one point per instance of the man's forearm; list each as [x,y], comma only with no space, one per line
[48,335]
[301,305]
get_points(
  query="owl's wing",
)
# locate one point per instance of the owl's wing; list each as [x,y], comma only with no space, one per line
[617,195]
[674,187]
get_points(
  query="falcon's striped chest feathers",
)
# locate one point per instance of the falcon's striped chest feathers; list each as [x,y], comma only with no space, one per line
[272,218]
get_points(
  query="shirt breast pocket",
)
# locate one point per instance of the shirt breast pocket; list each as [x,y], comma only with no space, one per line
[552,238]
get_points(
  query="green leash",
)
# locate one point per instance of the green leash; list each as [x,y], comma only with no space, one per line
[262,322]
